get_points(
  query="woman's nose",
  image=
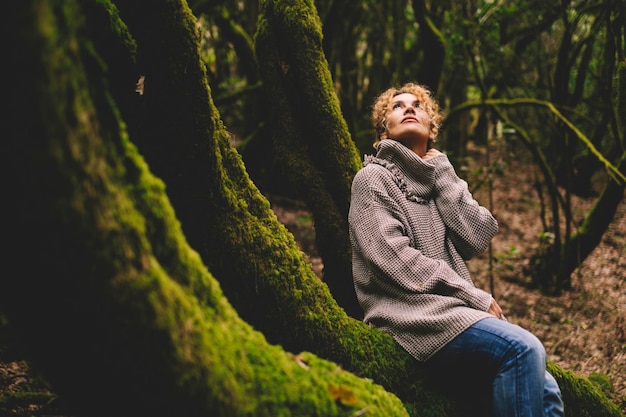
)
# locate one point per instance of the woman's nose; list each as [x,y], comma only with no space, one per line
[410,109]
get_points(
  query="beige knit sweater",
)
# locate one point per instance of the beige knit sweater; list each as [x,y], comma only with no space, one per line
[412,225]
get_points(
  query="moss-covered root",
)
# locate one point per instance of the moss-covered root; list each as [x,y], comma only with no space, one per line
[340,392]
[581,397]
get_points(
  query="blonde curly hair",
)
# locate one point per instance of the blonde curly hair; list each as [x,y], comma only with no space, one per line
[383,105]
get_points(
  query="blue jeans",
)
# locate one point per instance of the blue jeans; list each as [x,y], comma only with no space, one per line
[496,367]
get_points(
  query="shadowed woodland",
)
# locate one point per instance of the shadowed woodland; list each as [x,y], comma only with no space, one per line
[148,147]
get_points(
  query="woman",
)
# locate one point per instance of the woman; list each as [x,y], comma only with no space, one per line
[413,223]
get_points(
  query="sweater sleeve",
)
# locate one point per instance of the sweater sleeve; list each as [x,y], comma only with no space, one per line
[380,240]
[471,225]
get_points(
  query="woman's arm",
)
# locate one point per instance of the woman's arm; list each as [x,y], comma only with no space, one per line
[471,225]
[380,240]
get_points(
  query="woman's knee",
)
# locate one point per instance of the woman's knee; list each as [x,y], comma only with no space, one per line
[533,347]
[521,345]
[528,356]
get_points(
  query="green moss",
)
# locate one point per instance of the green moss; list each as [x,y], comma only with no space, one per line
[581,397]
[602,381]
[118,26]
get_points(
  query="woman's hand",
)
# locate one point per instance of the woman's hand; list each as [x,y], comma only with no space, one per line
[495,309]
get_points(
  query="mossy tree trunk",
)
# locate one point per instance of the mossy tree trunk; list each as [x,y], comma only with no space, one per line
[107,298]
[259,266]
[313,147]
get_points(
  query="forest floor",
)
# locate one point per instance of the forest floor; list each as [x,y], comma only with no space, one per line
[583,329]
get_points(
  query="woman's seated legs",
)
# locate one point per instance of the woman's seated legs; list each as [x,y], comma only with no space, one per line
[504,357]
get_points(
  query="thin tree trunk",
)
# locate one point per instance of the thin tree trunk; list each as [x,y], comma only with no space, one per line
[433,44]
[589,235]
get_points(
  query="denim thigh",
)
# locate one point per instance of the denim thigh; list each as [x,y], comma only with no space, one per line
[466,367]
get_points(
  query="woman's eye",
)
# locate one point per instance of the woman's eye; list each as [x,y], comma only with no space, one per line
[395,106]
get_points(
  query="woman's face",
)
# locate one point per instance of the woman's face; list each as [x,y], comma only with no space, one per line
[407,122]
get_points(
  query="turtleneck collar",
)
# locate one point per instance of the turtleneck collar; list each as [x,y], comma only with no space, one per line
[404,163]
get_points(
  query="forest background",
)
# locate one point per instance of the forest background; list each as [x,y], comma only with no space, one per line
[239,106]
